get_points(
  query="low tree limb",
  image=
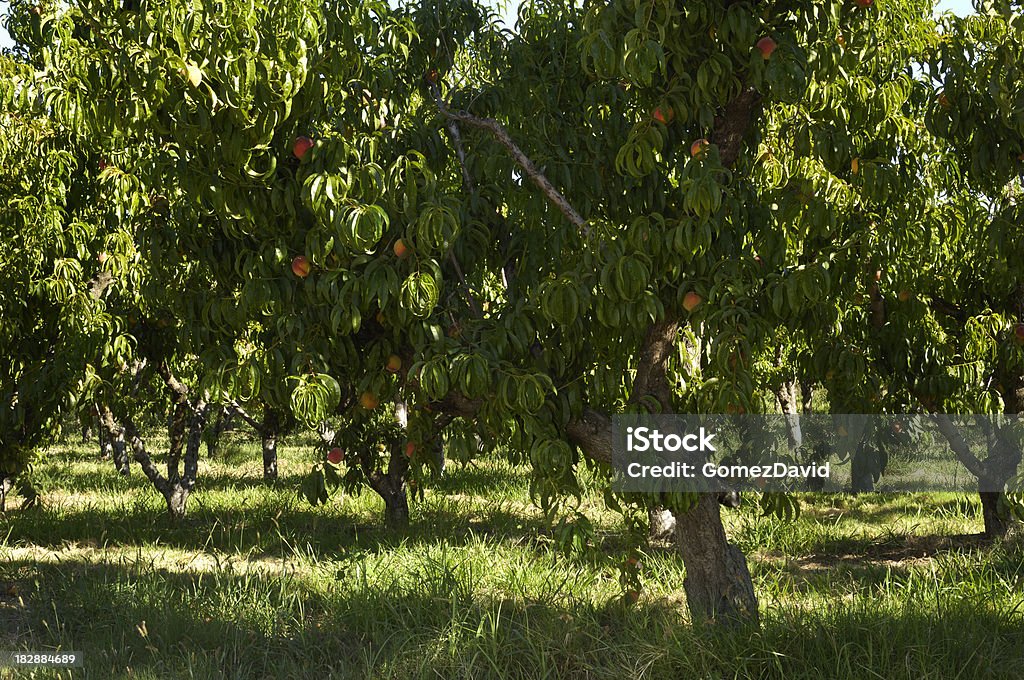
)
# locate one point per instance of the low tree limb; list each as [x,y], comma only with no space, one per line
[244,415]
[959,445]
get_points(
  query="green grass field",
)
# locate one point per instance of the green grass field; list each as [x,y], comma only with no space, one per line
[257,584]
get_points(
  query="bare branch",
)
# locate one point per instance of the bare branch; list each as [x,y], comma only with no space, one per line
[470,300]
[460,153]
[522,160]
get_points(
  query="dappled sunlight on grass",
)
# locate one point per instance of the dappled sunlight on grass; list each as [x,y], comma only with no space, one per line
[256,583]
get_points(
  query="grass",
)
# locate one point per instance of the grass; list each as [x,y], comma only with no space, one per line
[257,584]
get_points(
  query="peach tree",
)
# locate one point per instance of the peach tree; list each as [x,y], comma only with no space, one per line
[336,209]
[946,330]
[52,319]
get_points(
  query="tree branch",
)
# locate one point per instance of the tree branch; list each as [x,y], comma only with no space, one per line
[139,452]
[467,180]
[959,445]
[460,153]
[178,391]
[733,123]
[942,306]
[473,306]
[522,160]
[652,365]
[249,420]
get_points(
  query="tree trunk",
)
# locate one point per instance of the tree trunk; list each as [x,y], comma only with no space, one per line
[396,509]
[993,510]
[718,584]
[1003,459]
[106,446]
[806,397]
[661,522]
[177,498]
[786,396]
[120,452]
[862,465]
[213,437]
[390,486]
[5,486]
[268,435]
[185,430]
[182,486]
[177,434]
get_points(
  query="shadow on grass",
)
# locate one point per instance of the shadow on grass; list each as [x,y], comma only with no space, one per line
[479,480]
[92,481]
[274,526]
[173,624]
[462,479]
[877,508]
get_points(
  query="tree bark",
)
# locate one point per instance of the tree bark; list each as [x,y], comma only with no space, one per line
[106,446]
[806,397]
[213,436]
[180,487]
[993,472]
[5,486]
[718,584]
[119,451]
[177,500]
[1004,456]
[396,509]
[268,435]
[390,486]
[661,523]
[786,396]
[993,511]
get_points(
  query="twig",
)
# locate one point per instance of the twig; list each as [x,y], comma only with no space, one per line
[467,179]
[473,307]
